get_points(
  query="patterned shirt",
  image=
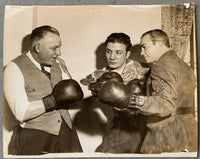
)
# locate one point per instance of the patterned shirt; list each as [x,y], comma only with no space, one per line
[132,70]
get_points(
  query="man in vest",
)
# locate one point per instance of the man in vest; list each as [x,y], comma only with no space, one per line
[38,97]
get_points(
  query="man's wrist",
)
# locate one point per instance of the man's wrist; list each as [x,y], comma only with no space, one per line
[49,103]
[141,100]
[136,101]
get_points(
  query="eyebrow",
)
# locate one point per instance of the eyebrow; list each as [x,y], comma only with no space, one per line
[114,50]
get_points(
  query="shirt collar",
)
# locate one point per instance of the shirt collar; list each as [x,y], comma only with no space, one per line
[36,63]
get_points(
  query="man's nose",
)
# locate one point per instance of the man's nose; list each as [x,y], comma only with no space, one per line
[112,56]
[142,51]
[58,52]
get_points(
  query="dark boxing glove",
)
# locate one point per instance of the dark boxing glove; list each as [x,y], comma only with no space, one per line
[107,76]
[121,96]
[113,76]
[64,93]
[115,94]
[137,86]
[137,90]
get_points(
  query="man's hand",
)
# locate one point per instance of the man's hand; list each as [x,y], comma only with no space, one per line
[64,93]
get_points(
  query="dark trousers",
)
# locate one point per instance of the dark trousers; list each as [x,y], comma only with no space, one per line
[35,142]
[126,134]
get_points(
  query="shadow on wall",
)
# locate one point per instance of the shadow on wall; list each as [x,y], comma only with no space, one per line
[25,46]
[100,56]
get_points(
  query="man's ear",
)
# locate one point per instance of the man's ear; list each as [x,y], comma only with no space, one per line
[36,47]
[128,54]
[160,46]
[159,43]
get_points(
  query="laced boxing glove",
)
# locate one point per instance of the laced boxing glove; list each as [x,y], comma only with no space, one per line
[137,86]
[121,96]
[138,90]
[115,94]
[107,76]
[114,76]
[64,93]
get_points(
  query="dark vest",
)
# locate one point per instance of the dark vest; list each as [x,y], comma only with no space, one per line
[37,85]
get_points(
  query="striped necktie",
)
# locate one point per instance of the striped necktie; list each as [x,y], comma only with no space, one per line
[45,72]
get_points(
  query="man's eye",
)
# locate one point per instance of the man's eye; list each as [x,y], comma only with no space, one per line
[53,48]
[144,47]
[108,51]
[119,52]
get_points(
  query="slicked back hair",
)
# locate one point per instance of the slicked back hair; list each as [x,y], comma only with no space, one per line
[38,33]
[121,38]
[157,35]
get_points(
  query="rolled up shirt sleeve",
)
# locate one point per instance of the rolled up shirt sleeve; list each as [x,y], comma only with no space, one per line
[16,96]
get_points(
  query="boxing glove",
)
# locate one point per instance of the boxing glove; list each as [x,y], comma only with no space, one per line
[107,76]
[64,93]
[113,76]
[115,94]
[137,86]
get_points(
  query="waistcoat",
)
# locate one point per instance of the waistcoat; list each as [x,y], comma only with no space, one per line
[37,85]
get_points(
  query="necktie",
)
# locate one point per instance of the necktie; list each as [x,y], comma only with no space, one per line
[45,72]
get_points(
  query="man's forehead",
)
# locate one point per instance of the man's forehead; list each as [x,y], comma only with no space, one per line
[145,40]
[50,37]
[115,45]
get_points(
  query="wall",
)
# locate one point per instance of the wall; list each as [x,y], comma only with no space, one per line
[18,23]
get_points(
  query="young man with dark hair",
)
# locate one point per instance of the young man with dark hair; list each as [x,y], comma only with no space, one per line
[125,131]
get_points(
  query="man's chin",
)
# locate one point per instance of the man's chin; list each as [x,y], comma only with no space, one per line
[113,67]
[49,64]
[146,60]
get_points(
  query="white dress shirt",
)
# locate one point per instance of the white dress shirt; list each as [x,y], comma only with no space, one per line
[16,95]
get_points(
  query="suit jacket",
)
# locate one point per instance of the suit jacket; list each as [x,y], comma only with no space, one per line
[170,106]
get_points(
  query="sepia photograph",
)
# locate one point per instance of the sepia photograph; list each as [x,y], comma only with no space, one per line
[100,81]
